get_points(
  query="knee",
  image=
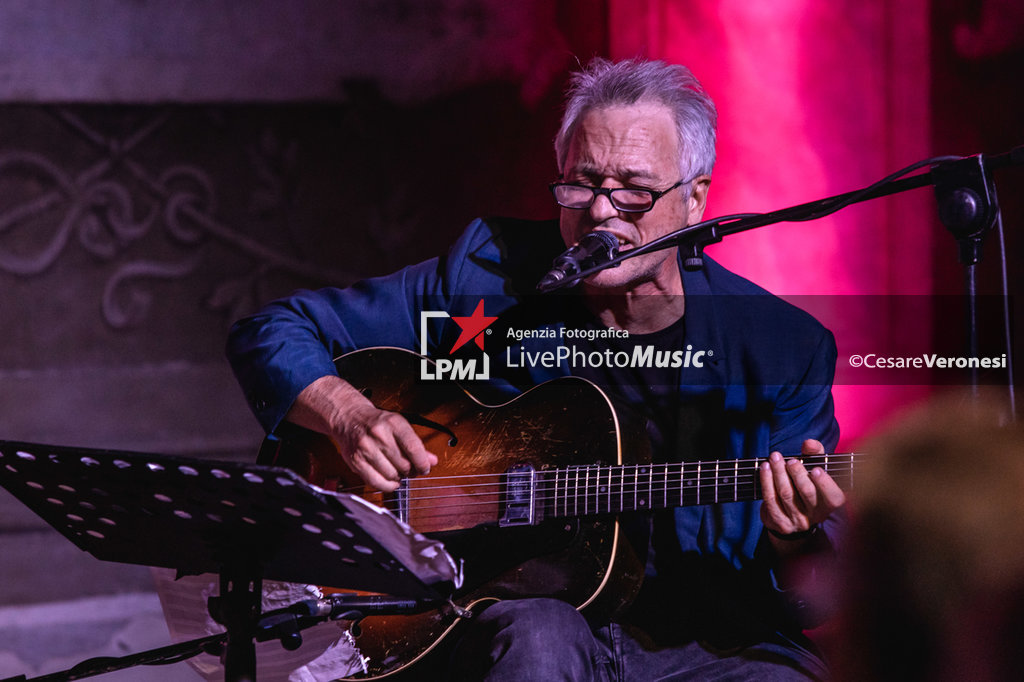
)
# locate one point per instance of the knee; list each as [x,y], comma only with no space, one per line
[540,618]
[516,639]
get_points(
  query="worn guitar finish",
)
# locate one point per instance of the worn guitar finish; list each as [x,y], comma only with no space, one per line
[526,492]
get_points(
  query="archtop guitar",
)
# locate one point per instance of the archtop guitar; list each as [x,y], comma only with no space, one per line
[526,493]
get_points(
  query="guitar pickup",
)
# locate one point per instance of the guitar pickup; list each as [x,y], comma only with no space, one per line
[517,496]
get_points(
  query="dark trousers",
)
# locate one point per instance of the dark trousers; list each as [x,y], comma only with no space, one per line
[546,639]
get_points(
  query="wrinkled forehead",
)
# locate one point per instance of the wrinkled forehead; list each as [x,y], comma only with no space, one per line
[638,141]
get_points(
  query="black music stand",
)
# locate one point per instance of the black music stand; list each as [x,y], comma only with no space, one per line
[245,522]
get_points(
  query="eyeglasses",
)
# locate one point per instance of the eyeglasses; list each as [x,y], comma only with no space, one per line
[625,199]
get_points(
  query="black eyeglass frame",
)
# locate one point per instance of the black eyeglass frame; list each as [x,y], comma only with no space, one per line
[609,191]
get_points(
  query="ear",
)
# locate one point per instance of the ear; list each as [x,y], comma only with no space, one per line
[698,199]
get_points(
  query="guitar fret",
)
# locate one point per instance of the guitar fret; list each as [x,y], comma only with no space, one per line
[722,485]
[622,491]
[650,487]
[735,480]
[679,474]
[554,496]
[716,482]
[640,497]
[635,471]
[557,477]
[586,493]
[555,499]
[565,492]
[609,489]
[565,495]
[608,492]
[642,500]
[619,491]
[547,504]
[632,504]
[582,480]
[624,501]
[576,491]
[755,481]
[664,501]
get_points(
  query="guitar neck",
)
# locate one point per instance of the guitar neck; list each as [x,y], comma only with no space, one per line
[598,489]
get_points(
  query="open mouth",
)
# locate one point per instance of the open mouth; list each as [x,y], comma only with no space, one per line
[625,245]
[622,243]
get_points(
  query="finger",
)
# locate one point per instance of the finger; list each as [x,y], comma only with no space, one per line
[801,481]
[767,487]
[395,456]
[812,447]
[772,514]
[378,448]
[412,447]
[828,490]
[787,497]
[374,468]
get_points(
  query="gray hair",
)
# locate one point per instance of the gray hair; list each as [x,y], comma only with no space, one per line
[603,83]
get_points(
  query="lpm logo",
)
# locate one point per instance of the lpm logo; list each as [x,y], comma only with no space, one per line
[473,327]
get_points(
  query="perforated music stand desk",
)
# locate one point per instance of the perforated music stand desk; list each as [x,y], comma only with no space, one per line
[245,522]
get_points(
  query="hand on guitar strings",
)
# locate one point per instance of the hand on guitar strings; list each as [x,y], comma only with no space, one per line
[377,445]
[795,501]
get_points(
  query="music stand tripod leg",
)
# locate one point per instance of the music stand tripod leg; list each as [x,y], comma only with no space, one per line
[238,610]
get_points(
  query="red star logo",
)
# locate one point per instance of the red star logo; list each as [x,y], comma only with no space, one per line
[472,327]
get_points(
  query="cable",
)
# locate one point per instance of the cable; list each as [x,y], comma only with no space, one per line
[1007,329]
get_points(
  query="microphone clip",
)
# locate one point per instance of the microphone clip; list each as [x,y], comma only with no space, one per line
[594,249]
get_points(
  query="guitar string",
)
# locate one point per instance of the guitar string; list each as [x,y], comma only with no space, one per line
[653,482]
[548,488]
[572,505]
[572,489]
[594,476]
[619,496]
[743,465]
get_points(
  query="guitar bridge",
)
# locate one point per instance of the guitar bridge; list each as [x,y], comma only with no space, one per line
[517,497]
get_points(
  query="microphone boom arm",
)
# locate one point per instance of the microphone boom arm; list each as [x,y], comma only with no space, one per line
[967,206]
[693,238]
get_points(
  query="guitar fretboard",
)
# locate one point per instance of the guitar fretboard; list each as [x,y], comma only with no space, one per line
[597,489]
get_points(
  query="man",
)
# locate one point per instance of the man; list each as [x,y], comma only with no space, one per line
[635,151]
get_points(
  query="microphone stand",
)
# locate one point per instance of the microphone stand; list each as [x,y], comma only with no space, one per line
[967,206]
[285,625]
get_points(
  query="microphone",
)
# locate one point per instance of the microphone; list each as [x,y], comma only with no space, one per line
[596,248]
[337,605]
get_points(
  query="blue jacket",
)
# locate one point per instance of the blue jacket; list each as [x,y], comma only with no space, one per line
[769,366]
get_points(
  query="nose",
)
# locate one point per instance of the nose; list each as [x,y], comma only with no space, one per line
[602,209]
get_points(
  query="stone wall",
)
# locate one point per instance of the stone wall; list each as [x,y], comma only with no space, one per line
[168,167]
